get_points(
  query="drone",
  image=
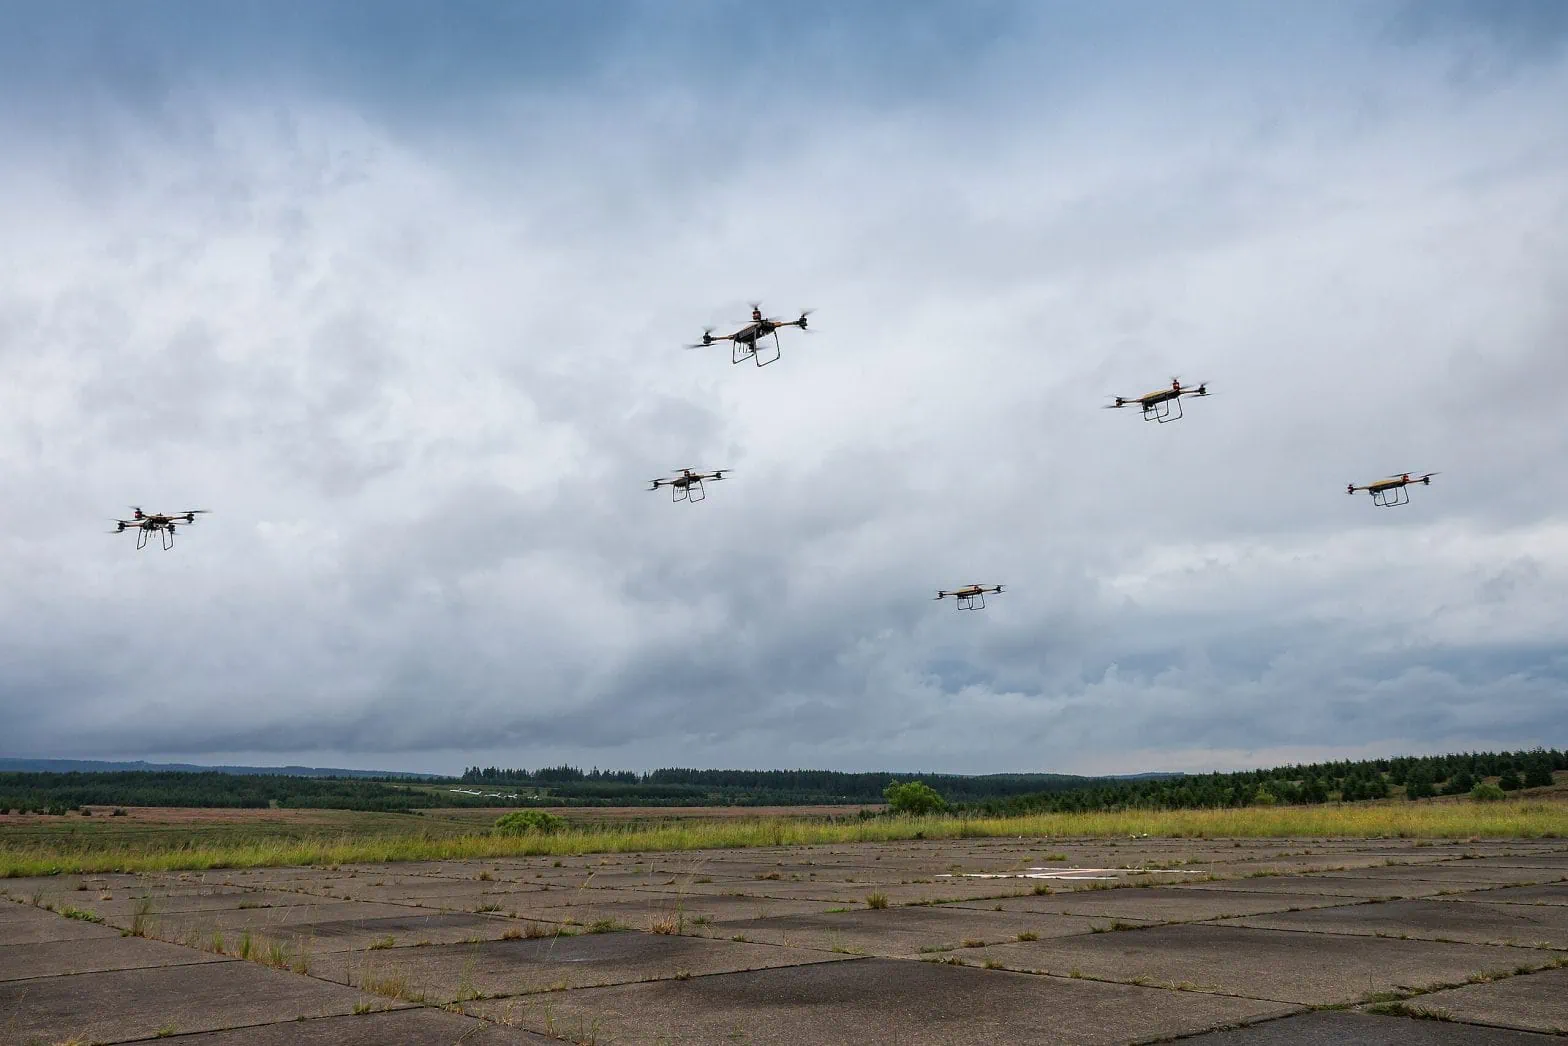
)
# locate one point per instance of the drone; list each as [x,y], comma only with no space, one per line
[164,522]
[1158,405]
[970,597]
[687,484]
[1393,491]
[744,342]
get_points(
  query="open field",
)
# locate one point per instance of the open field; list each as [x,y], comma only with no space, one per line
[191,840]
[1073,941]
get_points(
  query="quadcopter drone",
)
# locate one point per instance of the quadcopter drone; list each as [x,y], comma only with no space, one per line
[164,522]
[744,342]
[1158,405]
[970,597]
[1393,491]
[687,484]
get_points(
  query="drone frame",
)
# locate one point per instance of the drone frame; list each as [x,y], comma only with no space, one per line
[738,355]
[1164,411]
[1392,497]
[142,536]
[685,493]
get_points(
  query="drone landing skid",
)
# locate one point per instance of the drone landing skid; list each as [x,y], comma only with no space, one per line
[1169,410]
[692,493]
[1391,498]
[976,602]
[739,355]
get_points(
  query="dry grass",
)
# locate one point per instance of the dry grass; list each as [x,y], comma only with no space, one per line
[1513,818]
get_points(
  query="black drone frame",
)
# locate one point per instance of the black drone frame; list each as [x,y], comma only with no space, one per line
[739,355]
[1163,411]
[142,534]
[1393,497]
[692,492]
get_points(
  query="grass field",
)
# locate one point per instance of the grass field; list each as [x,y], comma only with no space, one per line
[154,840]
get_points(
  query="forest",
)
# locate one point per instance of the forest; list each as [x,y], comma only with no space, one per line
[1413,777]
[754,787]
[44,792]
[1417,777]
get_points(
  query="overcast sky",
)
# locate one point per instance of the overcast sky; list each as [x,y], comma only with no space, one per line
[398,290]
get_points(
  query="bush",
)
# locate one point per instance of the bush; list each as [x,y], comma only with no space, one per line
[522,822]
[1459,784]
[1487,793]
[913,797]
[119,811]
[1264,797]
[1509,782]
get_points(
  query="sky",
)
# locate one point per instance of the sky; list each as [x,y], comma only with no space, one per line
[399,291]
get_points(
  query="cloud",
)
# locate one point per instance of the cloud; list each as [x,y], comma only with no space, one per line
[422,367]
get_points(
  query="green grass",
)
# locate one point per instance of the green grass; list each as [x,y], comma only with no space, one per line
[195,849]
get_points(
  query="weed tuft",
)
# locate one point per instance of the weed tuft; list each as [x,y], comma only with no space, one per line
[876,900]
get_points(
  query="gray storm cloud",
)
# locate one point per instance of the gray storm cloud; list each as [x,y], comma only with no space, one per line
[422,373]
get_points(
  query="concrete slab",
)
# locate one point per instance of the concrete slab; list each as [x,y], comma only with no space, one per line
[139,1004]
[899,931]
[26,925]
[1475,922]
[1535,1002]
[641,913]
[1328,1028]
[443,973]
[421,1027]
[192,927]
[1556,893]
[872,1001]
[415,928]
[1315,969]
[55,958]
[125,903]
[1333,886]
[1486,872]
[1159,904]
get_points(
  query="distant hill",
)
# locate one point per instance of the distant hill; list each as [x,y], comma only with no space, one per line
[99,766]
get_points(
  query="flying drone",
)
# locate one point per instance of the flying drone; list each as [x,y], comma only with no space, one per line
[687,484]
[745,342]
[163,522]
[970,597]
[1393,491]
[1161,405]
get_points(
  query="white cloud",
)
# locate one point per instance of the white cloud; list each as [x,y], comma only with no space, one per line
[422,377]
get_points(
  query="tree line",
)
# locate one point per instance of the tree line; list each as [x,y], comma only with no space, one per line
[44,792]
[679,786]
[1339,781]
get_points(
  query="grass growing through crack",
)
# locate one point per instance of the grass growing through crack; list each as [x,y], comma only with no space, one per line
[72,912]
[1514,818]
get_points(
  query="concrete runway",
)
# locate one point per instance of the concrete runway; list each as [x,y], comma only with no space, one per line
[1072,942]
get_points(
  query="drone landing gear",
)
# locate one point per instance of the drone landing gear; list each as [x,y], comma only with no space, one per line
[168,538]
[1168,410]
[693,493]
[739,355]
[976,602]
[141,538]
[1391,498]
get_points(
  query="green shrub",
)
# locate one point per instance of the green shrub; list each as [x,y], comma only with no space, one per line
[1510,782]
[1264,797]
[523,822]
[913,797]
[1538,776]
[1487,793]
